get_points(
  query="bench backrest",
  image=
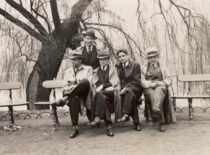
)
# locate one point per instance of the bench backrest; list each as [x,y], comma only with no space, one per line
[10,85]
[189,78]
[54,84]
[194,77]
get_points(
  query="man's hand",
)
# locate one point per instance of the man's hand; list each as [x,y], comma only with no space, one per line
[153,84]
[123,90]
[110,89]
[161,83]
[68,89]
[99,88]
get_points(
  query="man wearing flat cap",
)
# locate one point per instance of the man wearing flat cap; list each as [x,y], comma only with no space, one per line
[156,80]
[130,80]
[106,84]
[89,50]
[77,89]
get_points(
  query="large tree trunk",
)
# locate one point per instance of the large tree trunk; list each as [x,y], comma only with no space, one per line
[48,63]
[51,55]
[46,68]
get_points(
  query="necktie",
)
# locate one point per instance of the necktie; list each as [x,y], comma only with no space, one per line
[88,49]
[124,65]
[104,68]
[153,65]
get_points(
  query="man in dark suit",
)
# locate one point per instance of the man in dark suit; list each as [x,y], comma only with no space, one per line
[89,50]
[89,58]
[130,80]
[106,85]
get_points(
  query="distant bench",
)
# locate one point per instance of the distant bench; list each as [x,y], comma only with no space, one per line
[9,86]
[189,78]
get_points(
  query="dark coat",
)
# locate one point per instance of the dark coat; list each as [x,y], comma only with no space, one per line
[132,79]
[90,59]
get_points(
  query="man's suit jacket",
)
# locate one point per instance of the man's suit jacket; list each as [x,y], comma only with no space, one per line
[90,58]
[132,76]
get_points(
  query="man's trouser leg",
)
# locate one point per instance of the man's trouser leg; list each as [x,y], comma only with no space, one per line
[104,104]
[159,96]
[74,107]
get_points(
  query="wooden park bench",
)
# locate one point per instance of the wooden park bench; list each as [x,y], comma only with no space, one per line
[190,78]
[52,84]
[9,86]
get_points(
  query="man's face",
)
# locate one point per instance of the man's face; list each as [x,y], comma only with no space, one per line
[76,62]
[153,59]
[89,40]
[104,62]
[123,57]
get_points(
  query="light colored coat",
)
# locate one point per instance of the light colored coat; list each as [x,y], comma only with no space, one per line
[167,76]
[169,114]
[85,72]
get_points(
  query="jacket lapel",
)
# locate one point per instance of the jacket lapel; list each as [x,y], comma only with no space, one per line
[128,69]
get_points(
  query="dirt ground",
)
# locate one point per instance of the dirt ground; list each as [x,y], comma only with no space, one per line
[182,138]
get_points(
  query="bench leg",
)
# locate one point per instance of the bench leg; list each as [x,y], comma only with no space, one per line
[190,108]
[12,126]
[55,117]
[174,104]
[11,117]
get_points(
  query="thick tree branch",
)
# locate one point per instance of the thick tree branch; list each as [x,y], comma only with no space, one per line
[55,15]
[21,24]
[28,16]
[36,11]
[119,29]
[79,8]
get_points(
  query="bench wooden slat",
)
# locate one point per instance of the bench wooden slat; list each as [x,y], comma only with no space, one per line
[194,77]
[13,104]
[190,96]
[10,85]
[44,103]
[54,83]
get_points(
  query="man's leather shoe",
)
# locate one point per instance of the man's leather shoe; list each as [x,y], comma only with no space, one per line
[110,133]
[162,128]
[137,127]
[124,118]
[74,133]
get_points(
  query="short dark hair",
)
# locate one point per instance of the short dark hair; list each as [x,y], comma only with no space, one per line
[122,51]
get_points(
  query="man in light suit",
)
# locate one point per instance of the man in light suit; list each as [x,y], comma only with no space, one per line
[77,89]
[156,80]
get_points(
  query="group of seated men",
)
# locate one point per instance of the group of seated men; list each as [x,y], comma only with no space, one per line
[101,88]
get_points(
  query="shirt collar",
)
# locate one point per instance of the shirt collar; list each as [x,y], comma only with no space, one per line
[91,47]
[104,67]
[126,64]
[79,68]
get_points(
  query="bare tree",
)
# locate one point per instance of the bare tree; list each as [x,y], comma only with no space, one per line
[53,41]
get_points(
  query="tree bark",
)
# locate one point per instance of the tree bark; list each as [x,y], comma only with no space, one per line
[46,68]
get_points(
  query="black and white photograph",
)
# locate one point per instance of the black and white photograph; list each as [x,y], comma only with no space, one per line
[104,77]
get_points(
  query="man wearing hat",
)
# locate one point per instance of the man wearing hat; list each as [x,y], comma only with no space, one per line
[156,79]
[106,84]
[130,80]
[89,50]
[77,89]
